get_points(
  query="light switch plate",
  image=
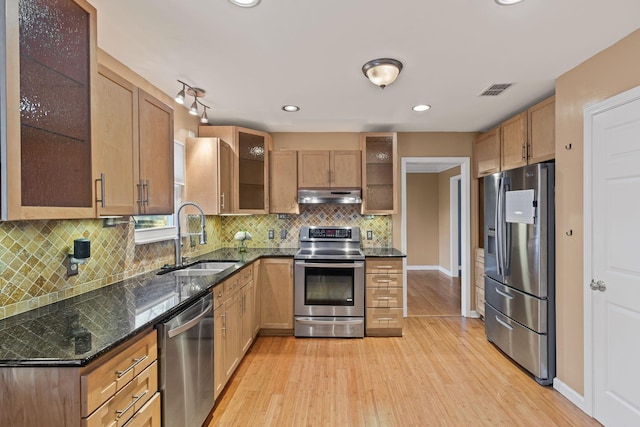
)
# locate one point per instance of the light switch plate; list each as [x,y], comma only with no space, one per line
[369,234]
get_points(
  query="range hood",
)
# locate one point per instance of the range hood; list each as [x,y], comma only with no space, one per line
[338,196]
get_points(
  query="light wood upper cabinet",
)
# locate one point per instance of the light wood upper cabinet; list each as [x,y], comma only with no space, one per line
[209,173]
[276,294]
[329,169]
[514,142]
[250,189]
[283,182]
[133,149]
[50,73]
[486,153]
[379,173]
[114,148]
[542,131]
[155,155]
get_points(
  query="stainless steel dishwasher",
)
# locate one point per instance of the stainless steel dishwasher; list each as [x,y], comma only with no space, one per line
[185,344]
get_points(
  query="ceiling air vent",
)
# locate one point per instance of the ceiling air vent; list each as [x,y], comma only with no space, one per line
[496,89]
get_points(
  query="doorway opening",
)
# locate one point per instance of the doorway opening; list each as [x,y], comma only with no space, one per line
[459,234]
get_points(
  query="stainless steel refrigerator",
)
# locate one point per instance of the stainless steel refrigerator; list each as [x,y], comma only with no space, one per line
[519,245]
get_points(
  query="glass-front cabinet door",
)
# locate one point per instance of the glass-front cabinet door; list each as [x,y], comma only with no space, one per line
[50,71]
[379,170]
[252,152]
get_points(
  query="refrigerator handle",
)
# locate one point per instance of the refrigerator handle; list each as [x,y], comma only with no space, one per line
[499,229]
[506,236]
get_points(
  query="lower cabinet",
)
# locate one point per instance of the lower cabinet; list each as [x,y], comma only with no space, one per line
[118,389]
[384,297]
[276,296]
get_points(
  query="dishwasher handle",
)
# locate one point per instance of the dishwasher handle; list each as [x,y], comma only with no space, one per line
[190,324]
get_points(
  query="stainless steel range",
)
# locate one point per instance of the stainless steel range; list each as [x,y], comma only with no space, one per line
[329,283]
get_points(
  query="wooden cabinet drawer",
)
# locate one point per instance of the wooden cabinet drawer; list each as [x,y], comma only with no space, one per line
[384,297]
[384,280]
[384,321]
[480,301]
[231,285]
[246,275]
[121,407]
[384,265]
[148,416]
[120,368]
[218,295]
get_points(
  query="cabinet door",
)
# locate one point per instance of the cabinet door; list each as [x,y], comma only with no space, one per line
[276,293]
[232,337]
[252,156]
[256,298]
[313,169]
[225,176]
[346,169]
[114,145]
[155,155]
[201,158]
[486,153]
[283,193]
[379,160]
[50,99]
[246,311]
[219,339]
[514,142]
[542,131]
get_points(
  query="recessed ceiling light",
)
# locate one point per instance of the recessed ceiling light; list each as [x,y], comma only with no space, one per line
[505,2]
[291,108]
[421,107]
[245,3]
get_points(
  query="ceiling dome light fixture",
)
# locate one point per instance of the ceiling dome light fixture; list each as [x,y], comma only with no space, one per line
[245,3]
[196,92]
[290,108]
[383,71]
[421,107]
[508,2]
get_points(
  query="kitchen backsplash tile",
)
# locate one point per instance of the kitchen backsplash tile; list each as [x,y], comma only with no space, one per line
[259,225]
[32,253]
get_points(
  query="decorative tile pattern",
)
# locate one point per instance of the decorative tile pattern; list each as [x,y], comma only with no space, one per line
[32,253]
[339,215]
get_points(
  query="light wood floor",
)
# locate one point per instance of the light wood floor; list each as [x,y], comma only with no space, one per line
[432,293]
[443,372]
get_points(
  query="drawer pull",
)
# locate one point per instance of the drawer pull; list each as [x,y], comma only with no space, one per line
[506,325]
[136,399]
[385,266]
[504,294]
[133,365]
[385,298]
[383,281]
[385,318]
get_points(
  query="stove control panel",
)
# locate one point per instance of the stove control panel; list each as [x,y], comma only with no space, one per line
[329,233]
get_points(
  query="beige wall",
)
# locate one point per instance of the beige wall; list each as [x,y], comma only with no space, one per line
[444,216]
[422,219]
[608,73]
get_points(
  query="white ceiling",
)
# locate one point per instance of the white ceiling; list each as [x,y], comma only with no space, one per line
[310,53]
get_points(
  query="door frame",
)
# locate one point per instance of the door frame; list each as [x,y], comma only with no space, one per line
[454,262]
[465,218]
[589,115]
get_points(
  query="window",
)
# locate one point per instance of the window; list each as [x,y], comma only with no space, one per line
[156,228]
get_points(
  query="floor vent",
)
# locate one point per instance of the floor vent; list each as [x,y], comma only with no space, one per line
[496,89]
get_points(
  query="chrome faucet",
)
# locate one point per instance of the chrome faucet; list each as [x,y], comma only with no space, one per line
[178,241]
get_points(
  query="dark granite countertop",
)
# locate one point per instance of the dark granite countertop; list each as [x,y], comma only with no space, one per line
[57,334]
[48,336]
[382,253]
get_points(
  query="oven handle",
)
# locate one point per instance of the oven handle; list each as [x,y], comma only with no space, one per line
[330,265]
[330,322]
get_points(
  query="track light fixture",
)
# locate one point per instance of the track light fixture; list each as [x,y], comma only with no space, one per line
[196,92]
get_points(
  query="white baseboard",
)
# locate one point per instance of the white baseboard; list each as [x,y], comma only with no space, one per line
[430,268]
[572,395]
[474,314]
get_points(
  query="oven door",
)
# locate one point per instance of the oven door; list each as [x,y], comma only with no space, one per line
[329,288]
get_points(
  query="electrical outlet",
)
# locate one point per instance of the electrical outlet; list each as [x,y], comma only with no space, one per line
[72,269]
[283,234]
[369,234]
[192,241]
[270,234]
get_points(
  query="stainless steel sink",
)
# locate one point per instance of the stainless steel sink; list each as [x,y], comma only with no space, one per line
[212,265]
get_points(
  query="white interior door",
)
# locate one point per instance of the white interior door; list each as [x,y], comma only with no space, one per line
[615,264]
